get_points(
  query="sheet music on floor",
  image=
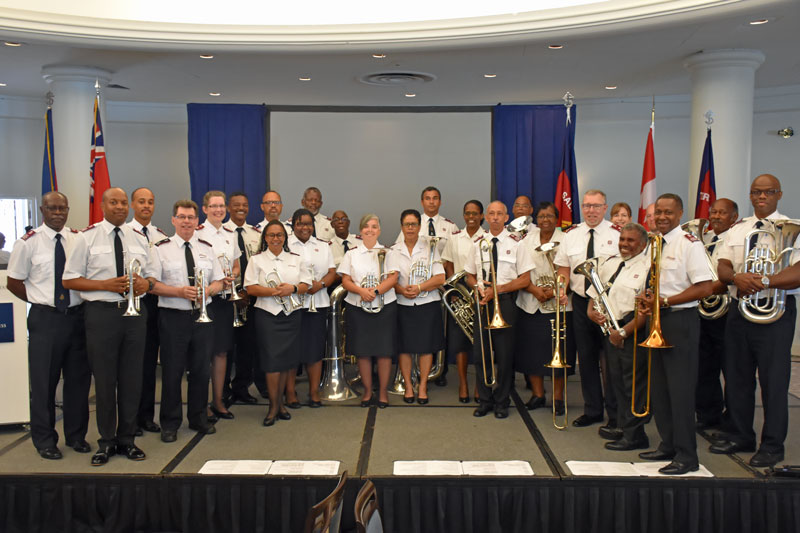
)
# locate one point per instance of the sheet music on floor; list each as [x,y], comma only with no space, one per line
[236,468]
[427,468]
[620,469]
[496,468]
[304,468]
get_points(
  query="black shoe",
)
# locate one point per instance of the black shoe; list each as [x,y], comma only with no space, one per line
[441,381]
[284,415]
[81,446]
[559,407]
[463,399]
[269,421]
[139,432]
[422,401]
[102,455]
[657,455]
[383,405]
[708,424]
[293,405]
[244,397]
[408,399]
[609,432]
[727,446]
[314,404]
[676,468]
[501,412]
[624,445]
[366,403]
[168,436]
[482,410]
[150,426]
[764,459]
[212,419]
[51,452]
[203,430]
[586,420]
[227,415]
[132,452]
[535,402]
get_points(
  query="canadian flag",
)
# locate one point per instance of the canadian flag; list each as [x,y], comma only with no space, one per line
[648,195]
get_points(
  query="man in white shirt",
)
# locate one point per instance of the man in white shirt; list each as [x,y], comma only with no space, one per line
[342,240]
[312,200]
[272,206]
[523,208]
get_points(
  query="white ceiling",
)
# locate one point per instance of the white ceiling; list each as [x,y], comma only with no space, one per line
[642,55]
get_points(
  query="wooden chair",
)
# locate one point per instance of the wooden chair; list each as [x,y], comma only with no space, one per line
[368,518]
[325,516]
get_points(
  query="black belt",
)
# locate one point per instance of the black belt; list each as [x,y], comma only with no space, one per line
[50,309]
[677,309]
[120,304]
[506,295]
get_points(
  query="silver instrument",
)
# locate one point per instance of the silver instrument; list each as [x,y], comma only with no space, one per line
[714,306]
[420,272]
[549,280]
[766,258]
[233,295]
[589,269]
[520,225]
[462,307]
[334,386]
[289,303]
[371,281]
[200,283]
[133,268]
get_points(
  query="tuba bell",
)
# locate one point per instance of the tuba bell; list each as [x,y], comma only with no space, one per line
[714,306]
[334,386]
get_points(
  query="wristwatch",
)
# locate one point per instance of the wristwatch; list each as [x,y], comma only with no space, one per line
[295,289]
[765,281]
[151,284]
[377,293]
[323,284]
[623,333]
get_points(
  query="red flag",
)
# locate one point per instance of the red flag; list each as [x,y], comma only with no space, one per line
[648,191]
[564,194]
[706,189]
[98,174]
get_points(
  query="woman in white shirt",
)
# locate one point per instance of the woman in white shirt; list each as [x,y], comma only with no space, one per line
[370,334]
[420,326]
[277,323]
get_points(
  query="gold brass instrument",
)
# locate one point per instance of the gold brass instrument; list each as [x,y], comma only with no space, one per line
[233,295]
[461,308]
[655,339]
[334,386]
[421,272]
[371,281]
[558,326]
[549,280]
[714,306]
[289,303]
[133,268]
[768,258]
[200,283]
[589,269]
[496,321]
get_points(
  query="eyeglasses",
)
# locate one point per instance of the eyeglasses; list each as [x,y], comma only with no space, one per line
[410,224]
[471,214]
[186,217]
[304,224]
[545,215]
[271,202]
[340,219]
[274,235]
[767,192]
[593,206]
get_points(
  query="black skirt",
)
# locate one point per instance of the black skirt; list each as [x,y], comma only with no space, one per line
[314,332]
[534,344]
[370,334]
[457,341]
[278,340]
[221,312]
[420,328]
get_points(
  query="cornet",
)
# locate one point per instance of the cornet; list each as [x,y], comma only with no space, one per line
[421,272]
[200,283]
[227,271]
[371,281]
[133,268]
[288,304]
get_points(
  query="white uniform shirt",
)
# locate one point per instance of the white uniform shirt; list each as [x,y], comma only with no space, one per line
[93,257]
[525,300]
[459,246]
[630,282]
[337,246]
[171,268]
[291,268]
[317,254]
[404,260]
[33,262]
[359,262]
[572,251]
[444,228]
[323,228]
[153,235]
[223,241]
[263,224]
[683,263]
[250,235]
[513,259]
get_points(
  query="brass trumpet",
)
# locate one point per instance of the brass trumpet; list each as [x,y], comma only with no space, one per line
[559,336]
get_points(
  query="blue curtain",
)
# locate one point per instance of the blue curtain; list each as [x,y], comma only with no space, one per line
[228,151]
[528,151]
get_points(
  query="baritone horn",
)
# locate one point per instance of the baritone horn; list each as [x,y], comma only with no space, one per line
[420,272]
[714,306]
[558,326]
[133,268]
[461,307]
[200,283]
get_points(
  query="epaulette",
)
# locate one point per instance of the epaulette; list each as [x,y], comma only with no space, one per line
[358,237]
[691,237]
[256,228]
[292,253]
[71,230]
[162,241]
[737,222]
[326,218]
[161,231]
[89,227]
[201,226]
[205,242]
[479,238]
[515,237]
[448,220]
[227,229]
[323,240]
[139,232]
[28,235]
[456,232]
[567,230]
[614,226]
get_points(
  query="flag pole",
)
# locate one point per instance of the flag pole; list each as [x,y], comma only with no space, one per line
[653,111]
[709,119]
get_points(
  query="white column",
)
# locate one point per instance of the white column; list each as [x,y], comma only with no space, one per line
[723,81]
[74,93]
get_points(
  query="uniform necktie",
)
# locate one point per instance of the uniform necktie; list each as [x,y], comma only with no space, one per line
[431,229]
[614,277]
[242,258]
[146,236]
[754,238]
[494,256]
[118,257]
[589,255]
[61,294]
[314,228]
[189,262]
[346,246]
[713,245]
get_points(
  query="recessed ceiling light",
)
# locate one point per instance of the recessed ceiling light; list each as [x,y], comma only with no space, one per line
[304,78]
[555,46]
[490,75]
[758,22]
[206,56]
[214,94]
[610,87]
[410,95]
[2,84]
[11,43]
[378,56]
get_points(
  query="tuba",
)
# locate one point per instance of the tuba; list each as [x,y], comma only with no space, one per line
[766,259]
[288,304]
[420,272]
[133,268]
[371,281]
[589,269]
[334,386]
[461,308]
[200,283]
[714,306]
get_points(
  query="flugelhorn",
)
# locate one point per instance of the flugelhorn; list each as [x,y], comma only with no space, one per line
[420,272]
[766,259]
[289,303]
[558,326]
[371,281]
[200,283]
[133,268]
[714,306]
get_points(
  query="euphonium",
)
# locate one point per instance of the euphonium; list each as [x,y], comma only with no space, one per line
[421,272]
[200,283]
[589,269]
[371,281]
[289,303]
[558,326]
[714,306]
[461,307]
[766,259]
[132,269]
[549,280]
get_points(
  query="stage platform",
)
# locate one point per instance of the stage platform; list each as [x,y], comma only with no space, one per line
[165,492]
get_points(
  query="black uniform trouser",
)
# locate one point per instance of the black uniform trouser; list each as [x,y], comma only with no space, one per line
[115,345]
[709,400]
[150,361]
[673,382]
[590,342]
[503,344]
[766,348]
[185,345]
[620,373]
[241,363]
[57,343]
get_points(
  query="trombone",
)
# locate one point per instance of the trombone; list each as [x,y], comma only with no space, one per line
[496,321]
[655,339]
[558,326]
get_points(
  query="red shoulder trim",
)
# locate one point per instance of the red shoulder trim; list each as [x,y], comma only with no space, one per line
[139,232]
[29,235]
[89,227]
[614,226]
[691,238]
[567,230]
[162,241]
[161,231]
[358,237]
[292,253]
[205,242]
[200,226]
[227,229]
[448,220]
[255,227]
[456,232]
[515,237]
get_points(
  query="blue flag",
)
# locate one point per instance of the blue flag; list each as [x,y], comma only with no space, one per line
[49,182]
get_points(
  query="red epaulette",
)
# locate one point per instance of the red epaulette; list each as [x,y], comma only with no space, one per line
[479,238]
[89,227]
[618,228]
[515,237]
[323,240]
[456,232]
[161,231]
[448,220]
[227,229]
[205,242]
[199,227]
[28,235]
[256,228]
[71,230]
[292,253]
[139,232]
[162,241]
[567,230]
[737,222]
[358,237]
[691,237]
[326,218]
